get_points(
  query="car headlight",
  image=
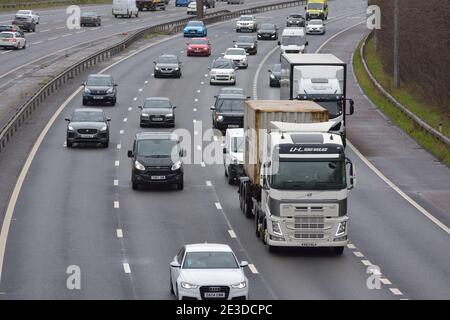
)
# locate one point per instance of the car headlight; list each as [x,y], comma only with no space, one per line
[144,115]
[219,118]
[341,228]
[176,68]
[156,68]
[187,285]
[70,128]
[252,46]
[87,90]
[276,228]
[139,166]
[272,76]
[177,165]
[213,73]
[104,128]
[110,90]
[240,285]
[169,115]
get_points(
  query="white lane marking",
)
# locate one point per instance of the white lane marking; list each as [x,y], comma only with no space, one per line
[140,90]
[126,268]
[194,121]
[135,99]
[119,233]
[366,262]
[196,100]
[121,131]
[60,28]
[117,163]
[80,31]
[195,109]
[199,147]
[198,91]
[125,119]
[397,189]
[42,31]
[218,205]
[66,35]
[119,146]
[6,52]
[203,164]
[396,291]
[116,182]
[116,205]
[385,281]
[130,108]
[195,133]
[153,74]
[252,268]
[146,81]
[51,39]
[23,173]
[65,144]
[208,183]
[337,35]
[202,82]
[37,42]
[358,254]
[206,75]
[232,234]
[351,246]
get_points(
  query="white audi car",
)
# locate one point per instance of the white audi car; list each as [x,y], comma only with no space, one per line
[208,271]
[238,56]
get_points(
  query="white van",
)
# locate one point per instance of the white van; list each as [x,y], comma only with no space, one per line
[233,154]
[125,8]
[293,40]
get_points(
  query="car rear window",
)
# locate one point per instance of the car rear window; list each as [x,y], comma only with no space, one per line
[6,35]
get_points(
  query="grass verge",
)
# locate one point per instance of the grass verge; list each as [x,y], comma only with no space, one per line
[43,5]
[437,148]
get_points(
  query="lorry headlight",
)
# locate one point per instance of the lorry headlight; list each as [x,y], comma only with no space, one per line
[219,118]
[276,228]
[177,165]
[341,228]
[139,166]
[187,285]
[240,285]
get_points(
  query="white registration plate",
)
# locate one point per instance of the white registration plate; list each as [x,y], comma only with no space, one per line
[214,294]
[233,126]
[98,97]
[157,119]
[158,177]
[87,136]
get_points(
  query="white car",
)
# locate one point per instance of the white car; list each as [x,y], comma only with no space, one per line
[246,23]
[12,40]
[28,14]
[315,26]
[238,56]
[192,8]
[208,272]
[233,153]
[222,71]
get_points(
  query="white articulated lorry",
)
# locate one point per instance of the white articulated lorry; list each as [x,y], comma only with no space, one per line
[319,77]
[296,176]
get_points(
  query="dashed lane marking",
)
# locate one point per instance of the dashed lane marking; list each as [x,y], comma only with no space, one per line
[195,109]
[252,268]
[117,163]
[125,119]
[385,281]
[119,233]
[116,182]
[119,146]
[130,108]
[366,262]
[218,205]
[116,205]
[351,246]
[126,268]
[208,183]
[396,291]
[121,131]
[232,234]
[358,254]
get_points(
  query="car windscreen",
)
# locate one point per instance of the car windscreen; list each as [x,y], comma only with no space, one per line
[267,27]
[6,35]
[223,64]
[230,105]
[199,41]
[295,16]
[87,116]
[293,174]
[99,81]
[245,39]
[237,144]
[315,6]
[167,59]
[210,260]
[246,19]
[88,14]
[235,52]
[315,22]
[157,104]
[195,23]
[293,40]
[157,148]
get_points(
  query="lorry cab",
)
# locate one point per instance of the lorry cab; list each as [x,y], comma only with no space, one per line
[293,40]
[317,9]
[125,8]
[233,154]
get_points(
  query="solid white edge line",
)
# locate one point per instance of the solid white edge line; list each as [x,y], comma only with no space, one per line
[218,205]
[338,34]
[252,268]
[232,234]
[126,268]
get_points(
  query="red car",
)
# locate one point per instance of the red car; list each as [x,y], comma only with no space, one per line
[199,47]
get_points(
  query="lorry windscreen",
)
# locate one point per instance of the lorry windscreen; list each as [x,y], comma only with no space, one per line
[295,174]
[315,6]
[330,103]
[293,40]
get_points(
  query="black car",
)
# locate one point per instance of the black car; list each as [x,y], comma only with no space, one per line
[99,88]
[88,125]
[228,111]
[268,31]
[25,23]
[157,111]
[275,75]
[249,43]
[295,20]
[167,65]
[156,159]
[12,28]
[90,19]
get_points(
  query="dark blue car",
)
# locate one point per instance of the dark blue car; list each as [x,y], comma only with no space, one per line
[182,3]
[195,29]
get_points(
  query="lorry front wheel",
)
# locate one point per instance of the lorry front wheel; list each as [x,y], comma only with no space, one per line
[257,234]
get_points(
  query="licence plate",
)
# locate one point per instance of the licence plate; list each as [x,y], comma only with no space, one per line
[233,126]
[158,177]
[214,294]
[98,97]
[157,119]
[87,136]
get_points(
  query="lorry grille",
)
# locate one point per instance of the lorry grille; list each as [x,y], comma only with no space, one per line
[309,236]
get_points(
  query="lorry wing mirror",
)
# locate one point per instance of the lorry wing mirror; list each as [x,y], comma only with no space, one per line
[265,185]
[67,119]
[306,43]
[352,107]
[279,43]
[352,174]
[224,150]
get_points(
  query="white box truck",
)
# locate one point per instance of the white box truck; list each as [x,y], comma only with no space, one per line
[296,177]
[125,8]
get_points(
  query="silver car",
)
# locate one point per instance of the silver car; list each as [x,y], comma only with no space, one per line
[222,71]
[315,26]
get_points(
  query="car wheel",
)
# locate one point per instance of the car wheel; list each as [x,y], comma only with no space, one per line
[230,179]
[85,102]
[69,144]
[180,185]
[115,16]
[134,186]
[113,103]
[171,285]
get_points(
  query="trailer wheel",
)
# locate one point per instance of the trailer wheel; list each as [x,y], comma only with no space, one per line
[257,234]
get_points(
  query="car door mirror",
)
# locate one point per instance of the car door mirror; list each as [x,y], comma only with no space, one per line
[351,107]
[67,119]
[244,264]
[140,107]
[174,107]
[212,108]
[279,43]
[108,119]
[154,62]
[83,84]
[209,68]
[249,97]
[175,264]
[115,84]
[306,43]
[130,154]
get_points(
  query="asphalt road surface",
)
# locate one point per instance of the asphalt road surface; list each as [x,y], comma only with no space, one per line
[76,206]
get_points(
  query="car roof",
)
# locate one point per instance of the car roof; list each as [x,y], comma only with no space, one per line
[194,20]
[233,48]
[246,15]
[88,109]
[231,96]
[156,135]
[98,75]
[11,32]
[225,90]
[168,55]
[208,247]
[157,99]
